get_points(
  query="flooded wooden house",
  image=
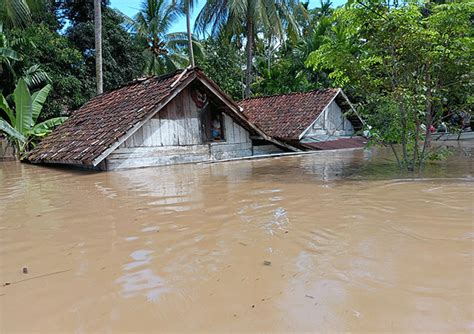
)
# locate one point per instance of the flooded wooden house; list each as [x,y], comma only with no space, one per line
[317,120]
[180,117]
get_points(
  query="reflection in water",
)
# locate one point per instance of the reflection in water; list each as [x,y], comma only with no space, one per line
[142,282]
[349,244]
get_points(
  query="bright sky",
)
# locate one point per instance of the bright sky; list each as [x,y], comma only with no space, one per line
[131,7]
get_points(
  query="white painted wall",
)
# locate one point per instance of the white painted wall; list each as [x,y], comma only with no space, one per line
[330,123]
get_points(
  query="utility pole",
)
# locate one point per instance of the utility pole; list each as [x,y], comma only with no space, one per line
[98,46]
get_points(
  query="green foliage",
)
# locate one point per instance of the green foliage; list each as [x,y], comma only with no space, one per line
[22,128]
[162,51]
[122,55]
[59,61]
[281,68]
[247,19]
[410,65]
[18,13]
[222,61]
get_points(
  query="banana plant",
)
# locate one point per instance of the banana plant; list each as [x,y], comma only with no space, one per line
[21,127]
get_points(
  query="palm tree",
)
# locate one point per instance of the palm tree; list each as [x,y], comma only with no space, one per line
[18,13]
[272,18]
[98,46]
[188,4]
[163,51]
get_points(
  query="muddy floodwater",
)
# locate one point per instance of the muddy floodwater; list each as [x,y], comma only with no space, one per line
[321,242]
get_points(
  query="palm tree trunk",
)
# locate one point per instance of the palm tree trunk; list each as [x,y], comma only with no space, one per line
[190,39]
[249,47]
[98,45]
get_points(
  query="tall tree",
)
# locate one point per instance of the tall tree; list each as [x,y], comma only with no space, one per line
[271,18]
[122,54]
[407,62]
[163,51]
[98,46]
[222,63]
[188,6]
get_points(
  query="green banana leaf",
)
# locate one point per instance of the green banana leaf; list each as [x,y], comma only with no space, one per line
[11,131]
[43,128]
[23,107]
[6,108]
[37,101]
[9,54]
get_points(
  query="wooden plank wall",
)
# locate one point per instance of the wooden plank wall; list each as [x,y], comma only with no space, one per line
[174,136]
[234,133]
[134,157]
[177,124]
[333,122]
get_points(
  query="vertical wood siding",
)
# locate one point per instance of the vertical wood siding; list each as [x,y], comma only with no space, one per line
[174,136]
[179,124]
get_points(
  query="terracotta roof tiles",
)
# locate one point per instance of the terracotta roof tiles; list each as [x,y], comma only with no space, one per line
[287,116]
[103,120]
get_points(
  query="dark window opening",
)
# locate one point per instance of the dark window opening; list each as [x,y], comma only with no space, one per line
[212,121]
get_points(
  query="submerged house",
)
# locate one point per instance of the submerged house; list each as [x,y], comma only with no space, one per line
[176,118]
[316,120]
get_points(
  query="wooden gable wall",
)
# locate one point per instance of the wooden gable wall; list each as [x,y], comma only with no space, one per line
[331,122]
[174,136]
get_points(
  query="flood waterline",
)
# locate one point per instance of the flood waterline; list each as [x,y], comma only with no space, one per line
[337,241]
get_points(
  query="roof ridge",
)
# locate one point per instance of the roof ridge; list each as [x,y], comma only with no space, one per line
[288,94]
[143,79]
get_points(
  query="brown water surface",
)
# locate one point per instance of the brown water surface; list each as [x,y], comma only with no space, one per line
[351,245]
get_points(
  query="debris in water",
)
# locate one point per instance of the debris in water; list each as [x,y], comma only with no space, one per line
[24,270]
[267,263]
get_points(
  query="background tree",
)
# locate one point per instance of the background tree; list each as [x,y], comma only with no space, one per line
[404,62]
[122,55]
[18,13]
[222,61]
[162,51]
[99,75]
[61,60]
[272,18]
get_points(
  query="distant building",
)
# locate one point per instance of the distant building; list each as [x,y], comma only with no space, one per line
[180,117]
[316,120]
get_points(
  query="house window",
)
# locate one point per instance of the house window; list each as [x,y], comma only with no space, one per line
[212,124]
